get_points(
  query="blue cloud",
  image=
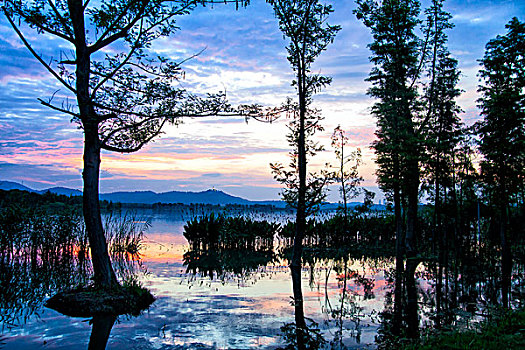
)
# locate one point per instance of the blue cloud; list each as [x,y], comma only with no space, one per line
[241,47]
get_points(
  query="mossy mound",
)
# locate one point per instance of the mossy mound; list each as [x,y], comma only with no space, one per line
[90,301]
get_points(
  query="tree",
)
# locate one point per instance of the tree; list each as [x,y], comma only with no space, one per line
[501,132]
[124,96]
[315,192]
[395,57]
[303,23]
[441,128]
[349,179]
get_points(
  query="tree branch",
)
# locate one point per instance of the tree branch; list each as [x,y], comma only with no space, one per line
[112,74]
[117,111]
[141,144]
[48,104]
[103,41]
[127,127]
[28,46]
[51,31]
[60,17]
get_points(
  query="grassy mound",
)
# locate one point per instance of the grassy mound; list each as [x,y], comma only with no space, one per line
[90,301]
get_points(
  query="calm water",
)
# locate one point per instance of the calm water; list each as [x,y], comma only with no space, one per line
[236,312]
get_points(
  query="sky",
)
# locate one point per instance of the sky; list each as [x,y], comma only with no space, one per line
[244,53]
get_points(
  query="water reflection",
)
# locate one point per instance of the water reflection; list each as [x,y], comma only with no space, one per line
[221,245]
[43,253]
[25,285]
[244,308]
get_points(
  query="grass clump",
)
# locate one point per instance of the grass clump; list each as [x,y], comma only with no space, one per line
[505,329]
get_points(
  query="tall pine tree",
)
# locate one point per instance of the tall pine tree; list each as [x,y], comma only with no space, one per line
[501,133]
[395,55]
[441,128]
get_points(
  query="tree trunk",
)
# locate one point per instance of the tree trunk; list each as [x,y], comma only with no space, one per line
[411,251]
[400,252]
[300,226]
[104,274]
[506,258]
[439,238]
[412,307]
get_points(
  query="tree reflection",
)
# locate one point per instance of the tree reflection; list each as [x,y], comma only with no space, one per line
[102,326]
[24,286]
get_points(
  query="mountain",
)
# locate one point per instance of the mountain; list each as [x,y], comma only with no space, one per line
[148,197]
[214,197]
[8,185]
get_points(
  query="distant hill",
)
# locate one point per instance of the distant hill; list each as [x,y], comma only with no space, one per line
[62,191]
[214,197]
[9,185]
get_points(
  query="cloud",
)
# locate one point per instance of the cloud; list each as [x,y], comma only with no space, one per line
[40,176]
[245,54]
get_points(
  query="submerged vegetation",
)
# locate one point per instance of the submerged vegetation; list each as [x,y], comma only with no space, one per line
[220,244]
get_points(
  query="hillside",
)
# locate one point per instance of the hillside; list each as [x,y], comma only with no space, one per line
[214,197]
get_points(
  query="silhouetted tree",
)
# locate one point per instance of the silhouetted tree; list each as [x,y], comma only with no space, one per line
[395,57]
[441,128]
[502,132]
[303,23]
[124,92]
[347,177]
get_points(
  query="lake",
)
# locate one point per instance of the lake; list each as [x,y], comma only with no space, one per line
[230,312]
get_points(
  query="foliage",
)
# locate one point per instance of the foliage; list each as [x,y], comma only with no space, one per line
[441,124]
[501,132]
[395,56]
[303,23]
[315,190]
[348,179]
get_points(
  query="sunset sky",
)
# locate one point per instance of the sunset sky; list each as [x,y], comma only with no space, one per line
[244,54]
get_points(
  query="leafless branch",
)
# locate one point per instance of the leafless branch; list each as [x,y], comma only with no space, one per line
[48,104]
